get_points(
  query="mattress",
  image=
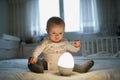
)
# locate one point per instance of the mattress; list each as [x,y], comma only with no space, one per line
[104,69]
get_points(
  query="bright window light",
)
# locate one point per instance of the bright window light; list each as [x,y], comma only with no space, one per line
[79,15]
[72,15]
[47,8]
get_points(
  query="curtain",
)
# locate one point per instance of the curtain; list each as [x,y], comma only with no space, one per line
[24,18]
[107,15]
[95,15]
[99,16]
[88,16]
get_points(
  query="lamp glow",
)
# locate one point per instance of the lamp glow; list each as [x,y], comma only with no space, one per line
[66,64]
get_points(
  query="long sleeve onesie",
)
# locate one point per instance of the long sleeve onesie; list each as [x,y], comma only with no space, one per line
[52,51]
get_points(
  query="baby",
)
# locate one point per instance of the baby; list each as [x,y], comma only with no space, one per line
[52,48]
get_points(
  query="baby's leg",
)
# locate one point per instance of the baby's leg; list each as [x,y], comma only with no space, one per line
[45,65]
[37,67]
[83,68]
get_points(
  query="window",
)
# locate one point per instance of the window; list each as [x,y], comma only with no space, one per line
[79,15]
[88,16]
[72,15]
[47,9]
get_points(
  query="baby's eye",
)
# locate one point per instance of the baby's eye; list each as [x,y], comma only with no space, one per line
[60,33]
[53,33]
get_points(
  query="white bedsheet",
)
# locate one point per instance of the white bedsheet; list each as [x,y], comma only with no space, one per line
[16,69]
[101,55]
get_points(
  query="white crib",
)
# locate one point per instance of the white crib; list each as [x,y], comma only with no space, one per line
[100,44]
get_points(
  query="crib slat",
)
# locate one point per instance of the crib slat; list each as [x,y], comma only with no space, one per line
[117,47]
[102,44]
[84,47]
[112,45]
[92,47]
[97,45]
[107,48]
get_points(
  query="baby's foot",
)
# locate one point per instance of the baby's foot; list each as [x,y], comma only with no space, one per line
[85,67]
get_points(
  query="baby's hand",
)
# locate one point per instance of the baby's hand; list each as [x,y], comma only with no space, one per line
[76,43]
[32,60]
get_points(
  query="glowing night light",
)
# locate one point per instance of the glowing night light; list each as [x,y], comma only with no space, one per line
[66,64]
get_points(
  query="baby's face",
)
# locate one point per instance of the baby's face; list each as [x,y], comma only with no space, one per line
[56,33]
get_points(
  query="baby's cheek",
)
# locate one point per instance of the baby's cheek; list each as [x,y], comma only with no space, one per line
[77,42]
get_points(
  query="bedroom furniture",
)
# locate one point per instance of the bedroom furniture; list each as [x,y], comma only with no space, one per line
[9,47]
[27,49]
[93,45]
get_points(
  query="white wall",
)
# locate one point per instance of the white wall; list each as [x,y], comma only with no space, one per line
[3,17]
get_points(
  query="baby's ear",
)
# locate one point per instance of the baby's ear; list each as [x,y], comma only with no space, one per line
[46,30]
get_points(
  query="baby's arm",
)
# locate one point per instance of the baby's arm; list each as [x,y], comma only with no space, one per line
[38,50]
[74,47]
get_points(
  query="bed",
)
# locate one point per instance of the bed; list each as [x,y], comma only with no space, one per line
[104,69]
[103,51]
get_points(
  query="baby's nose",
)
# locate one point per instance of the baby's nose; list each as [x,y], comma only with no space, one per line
[57,34]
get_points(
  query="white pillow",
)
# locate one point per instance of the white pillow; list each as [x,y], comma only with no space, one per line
[10,37]
[8,44]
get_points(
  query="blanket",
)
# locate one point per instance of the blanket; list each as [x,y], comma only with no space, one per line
[16,69]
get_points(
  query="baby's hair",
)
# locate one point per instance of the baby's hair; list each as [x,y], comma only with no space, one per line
[54,20]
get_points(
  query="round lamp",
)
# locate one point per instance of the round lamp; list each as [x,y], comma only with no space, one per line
[66,64]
